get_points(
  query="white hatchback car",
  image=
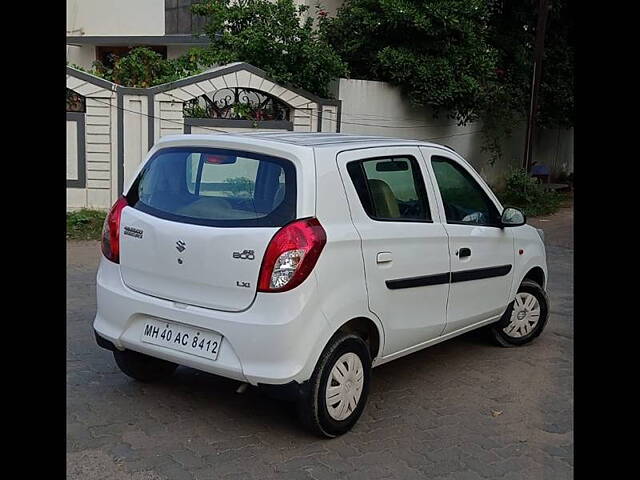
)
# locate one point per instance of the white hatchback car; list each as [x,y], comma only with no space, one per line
[297,262]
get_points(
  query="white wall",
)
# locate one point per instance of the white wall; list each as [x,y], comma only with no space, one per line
[330,6]
[115,17]
[101,126]
[377,108]
[136,128]
[72,151]
[81,55]
[555,149]
[100,148]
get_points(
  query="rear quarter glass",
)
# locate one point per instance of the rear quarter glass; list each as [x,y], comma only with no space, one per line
[216,187]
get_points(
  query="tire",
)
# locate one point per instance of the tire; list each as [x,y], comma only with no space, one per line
[313,409]
[143,367]
[518,325]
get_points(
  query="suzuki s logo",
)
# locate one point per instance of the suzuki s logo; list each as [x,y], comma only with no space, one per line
[181,246]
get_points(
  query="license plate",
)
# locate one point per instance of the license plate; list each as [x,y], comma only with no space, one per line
[202,343]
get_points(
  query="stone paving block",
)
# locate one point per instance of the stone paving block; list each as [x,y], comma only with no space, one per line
[429,414]
[188,459]
[175,471]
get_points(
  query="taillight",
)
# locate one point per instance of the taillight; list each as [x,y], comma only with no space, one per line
[111,231]
[291,255]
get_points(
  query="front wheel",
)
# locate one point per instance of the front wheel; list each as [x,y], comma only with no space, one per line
[525,318]
[339,387]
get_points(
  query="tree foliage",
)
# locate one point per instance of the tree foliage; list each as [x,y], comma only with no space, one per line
[524,192]
[275,36]
[557,102]
[512,26]
[470,58]
[142,67]
[437,51]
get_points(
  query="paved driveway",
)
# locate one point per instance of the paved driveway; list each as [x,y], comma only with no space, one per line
[463,409]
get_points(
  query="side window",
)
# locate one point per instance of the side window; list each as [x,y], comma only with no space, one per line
[391,188]
[464,199]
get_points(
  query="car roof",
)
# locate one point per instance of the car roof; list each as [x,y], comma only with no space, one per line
[314,140]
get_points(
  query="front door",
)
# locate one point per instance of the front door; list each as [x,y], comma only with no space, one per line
[482,253]
[404,244]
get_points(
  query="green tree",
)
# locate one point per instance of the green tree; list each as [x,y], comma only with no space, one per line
[142,67]
[437,51]
[470,58]
[557,100]
[275,36]
[512,33]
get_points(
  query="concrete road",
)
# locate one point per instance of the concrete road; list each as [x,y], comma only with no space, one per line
[463,409]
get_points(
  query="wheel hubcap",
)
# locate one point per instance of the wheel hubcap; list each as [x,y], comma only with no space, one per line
[524,317]
[344,386]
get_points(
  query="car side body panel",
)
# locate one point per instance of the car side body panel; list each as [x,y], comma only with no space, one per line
[340,269]
[533,255]
[413,249]
[491,257]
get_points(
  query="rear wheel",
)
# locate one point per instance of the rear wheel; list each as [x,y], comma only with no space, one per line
[143,367]
[525,318]
[339,387]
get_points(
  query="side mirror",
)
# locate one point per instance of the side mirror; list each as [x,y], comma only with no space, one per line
[512,217]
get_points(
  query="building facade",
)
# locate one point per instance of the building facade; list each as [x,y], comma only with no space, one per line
[105,29]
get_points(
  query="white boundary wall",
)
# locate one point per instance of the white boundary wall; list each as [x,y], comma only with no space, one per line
[91,160]
[106,144]
[378,108]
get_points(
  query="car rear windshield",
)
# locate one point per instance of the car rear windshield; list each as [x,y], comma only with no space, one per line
[216,187]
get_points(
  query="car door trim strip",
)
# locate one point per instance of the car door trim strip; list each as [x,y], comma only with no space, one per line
[422,281]
[451,277]
[480,273]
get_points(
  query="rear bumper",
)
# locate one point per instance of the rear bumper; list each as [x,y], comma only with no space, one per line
[274,342]
[104,343]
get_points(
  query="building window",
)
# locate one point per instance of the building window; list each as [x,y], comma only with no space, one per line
[179,19]
[75,102]
[107,56]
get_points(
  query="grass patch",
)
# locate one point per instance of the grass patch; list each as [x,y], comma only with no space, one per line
[523,192]
[85,224]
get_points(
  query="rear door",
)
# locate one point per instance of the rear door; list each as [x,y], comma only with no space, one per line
[482,253]
[200,221]
[404,245]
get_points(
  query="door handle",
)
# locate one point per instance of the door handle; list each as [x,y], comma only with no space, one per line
[384,257]
[464,252]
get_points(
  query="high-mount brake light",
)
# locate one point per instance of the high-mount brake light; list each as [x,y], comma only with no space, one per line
[291,255]
[111,231]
